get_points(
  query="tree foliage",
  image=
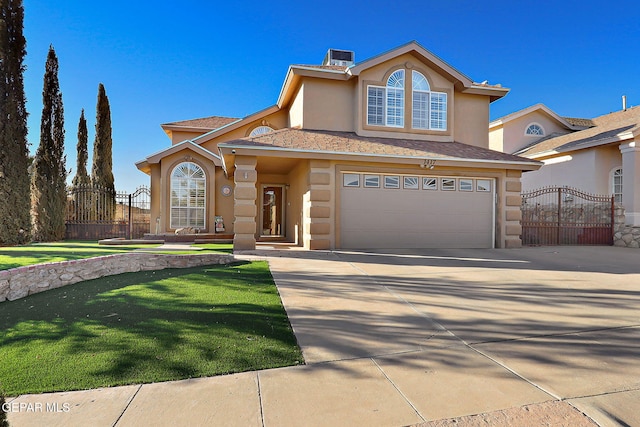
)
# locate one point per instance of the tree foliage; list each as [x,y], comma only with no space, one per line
[82,177]
[15,224]
[49,174]
[101,171]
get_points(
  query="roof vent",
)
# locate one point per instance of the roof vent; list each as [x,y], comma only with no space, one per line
[345,58]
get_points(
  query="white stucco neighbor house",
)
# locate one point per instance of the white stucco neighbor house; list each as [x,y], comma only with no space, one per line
[599,155]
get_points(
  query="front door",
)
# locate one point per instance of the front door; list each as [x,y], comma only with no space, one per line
[272,210]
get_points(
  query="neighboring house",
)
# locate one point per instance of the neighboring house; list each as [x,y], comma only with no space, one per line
[598,156]
[391,152]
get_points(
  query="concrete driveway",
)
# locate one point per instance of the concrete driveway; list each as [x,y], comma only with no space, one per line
[463,332]
[534,336]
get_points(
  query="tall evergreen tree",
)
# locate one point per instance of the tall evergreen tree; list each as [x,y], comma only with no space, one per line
[101,171]
[15,223]
[49,174]
[82,177]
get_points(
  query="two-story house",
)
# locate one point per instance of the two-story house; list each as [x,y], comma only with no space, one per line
[391,152]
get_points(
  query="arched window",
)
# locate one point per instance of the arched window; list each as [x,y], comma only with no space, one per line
[261,130]
[534,129]
[429,108]
[616,184]
[385,105]
[188,196]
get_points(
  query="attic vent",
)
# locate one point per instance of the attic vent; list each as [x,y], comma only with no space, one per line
[344,58]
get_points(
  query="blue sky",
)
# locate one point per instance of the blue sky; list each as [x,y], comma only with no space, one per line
[164,61]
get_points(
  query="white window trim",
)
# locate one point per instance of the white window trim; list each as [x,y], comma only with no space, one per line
[425,187]
[369,178]
[612,183]
[385,103]
[261,130]
[468,181]
[544,132]
[347,184]
[392,186]
[204,197]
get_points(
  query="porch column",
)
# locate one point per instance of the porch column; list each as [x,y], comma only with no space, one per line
[512,210]
[631,182]
[318,215]
[244,206]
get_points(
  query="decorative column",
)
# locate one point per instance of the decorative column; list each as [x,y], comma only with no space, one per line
[245,203]
[513,210]
[631,182]
[318,215]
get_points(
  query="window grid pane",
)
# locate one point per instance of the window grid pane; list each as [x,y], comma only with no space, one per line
[438,111]
[395,107]
[188,196]
[375,106]
[420,110]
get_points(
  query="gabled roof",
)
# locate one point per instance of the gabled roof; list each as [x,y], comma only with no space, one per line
[336,143]
[569,123]
[609,128]
[204,123]
[460,80]
[144,165]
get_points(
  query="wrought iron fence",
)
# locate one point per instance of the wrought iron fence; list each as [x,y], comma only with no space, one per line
[566,216]
[95,212]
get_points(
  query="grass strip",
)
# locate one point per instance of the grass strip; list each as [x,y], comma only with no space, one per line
[145,327]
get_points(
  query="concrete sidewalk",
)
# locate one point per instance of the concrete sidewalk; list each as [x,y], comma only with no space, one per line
[538,336]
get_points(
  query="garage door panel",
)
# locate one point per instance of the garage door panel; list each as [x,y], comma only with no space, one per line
[403,218]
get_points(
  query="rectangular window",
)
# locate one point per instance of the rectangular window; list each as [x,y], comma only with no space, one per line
[375,105]
[395,107]
[392,181]
[429,184]
[466,184]
[420,110]
[438,111]
[351,180]
[483,185]
[410,182]
[448,184]
[372,181]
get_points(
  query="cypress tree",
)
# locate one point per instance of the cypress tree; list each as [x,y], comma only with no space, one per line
[101,171]
[49,174]
[15,223]
[82,177]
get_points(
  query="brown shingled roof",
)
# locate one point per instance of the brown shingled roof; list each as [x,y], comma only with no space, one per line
[210,123]
[350,143]
[574,121]
[606,129]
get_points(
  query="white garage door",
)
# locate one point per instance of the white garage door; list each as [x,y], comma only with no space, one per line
[396,211]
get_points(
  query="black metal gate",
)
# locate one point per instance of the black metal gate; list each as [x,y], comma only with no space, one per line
[95,213]
[566,216]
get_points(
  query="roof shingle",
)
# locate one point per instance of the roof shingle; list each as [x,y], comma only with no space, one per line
[350,143]
[209,123]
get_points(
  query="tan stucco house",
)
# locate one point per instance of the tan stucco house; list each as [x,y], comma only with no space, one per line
[600,155]
[390,152]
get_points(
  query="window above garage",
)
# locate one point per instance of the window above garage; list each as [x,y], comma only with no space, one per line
[386,105]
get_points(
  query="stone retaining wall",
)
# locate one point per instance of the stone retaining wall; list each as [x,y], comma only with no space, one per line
[22,281]
[625,235]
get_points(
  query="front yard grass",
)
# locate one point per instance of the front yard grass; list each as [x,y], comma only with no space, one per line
[40,253]
[145,327]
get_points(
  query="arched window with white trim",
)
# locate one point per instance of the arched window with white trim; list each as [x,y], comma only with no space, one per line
[261,130]
[429,109]
[385,105]
[188,196]
[534,129]
[616,184]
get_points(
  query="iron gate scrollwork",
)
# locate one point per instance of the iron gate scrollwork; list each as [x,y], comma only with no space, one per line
[95,212]
[566,216]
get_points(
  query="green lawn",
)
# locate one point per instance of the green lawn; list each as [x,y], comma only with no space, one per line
[145,327]
[39,253]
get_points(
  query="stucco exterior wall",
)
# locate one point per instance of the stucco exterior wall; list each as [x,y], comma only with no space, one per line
[328,104]
[298,180]
[296,109]
[223,205]
[587,170]
[496,139]
[513,133]
[472,119]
